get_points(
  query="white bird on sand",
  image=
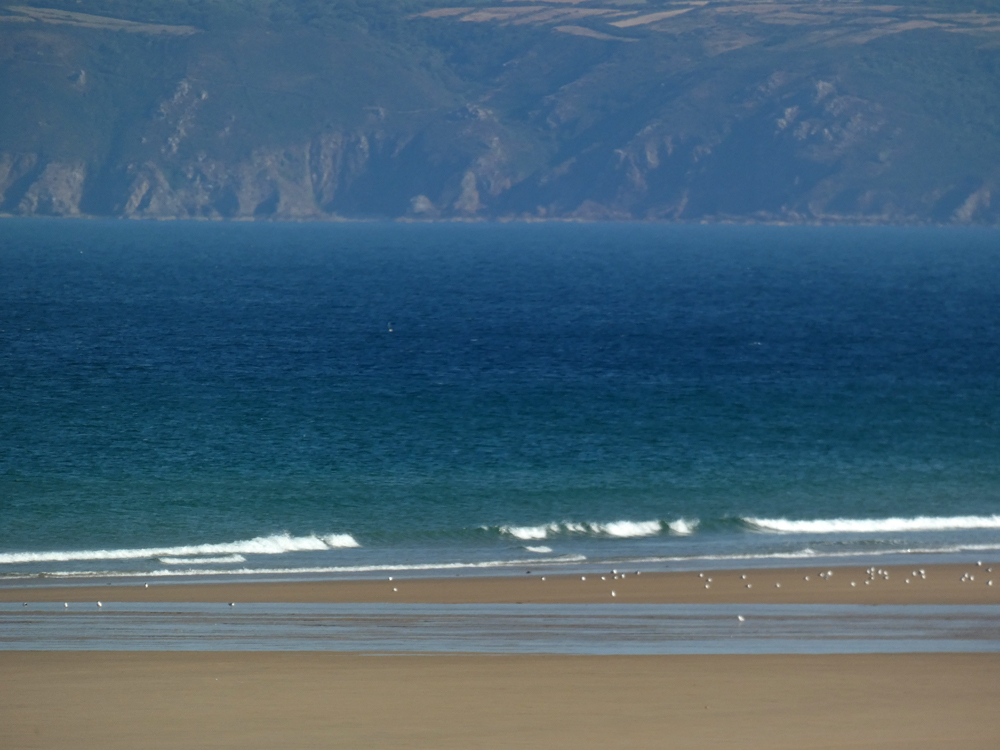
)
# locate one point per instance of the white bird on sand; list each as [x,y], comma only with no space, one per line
[583,578]
[232,604]
[543,578]
[66,604]
[853,583]
[613,594]
[777,585]
[740,618]
[395,589]
[146,586]
[99,604]
[749,585]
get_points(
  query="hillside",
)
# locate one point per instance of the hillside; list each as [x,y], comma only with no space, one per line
[808,111]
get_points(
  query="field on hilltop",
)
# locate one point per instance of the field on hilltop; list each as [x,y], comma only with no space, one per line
[708,110]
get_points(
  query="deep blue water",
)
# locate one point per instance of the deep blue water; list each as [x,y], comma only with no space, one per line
[441,394]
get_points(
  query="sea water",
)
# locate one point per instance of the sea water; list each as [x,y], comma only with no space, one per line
[192,399]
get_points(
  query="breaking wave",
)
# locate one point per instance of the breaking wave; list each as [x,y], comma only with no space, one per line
[612,529]
[275,544]
[874,525]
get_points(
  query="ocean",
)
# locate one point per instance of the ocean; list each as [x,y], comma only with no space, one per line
[191,400]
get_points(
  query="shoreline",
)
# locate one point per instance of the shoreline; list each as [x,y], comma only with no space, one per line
[941,584]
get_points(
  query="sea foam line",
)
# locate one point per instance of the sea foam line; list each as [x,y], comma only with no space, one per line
[275,544]
[387,568]
[874,525]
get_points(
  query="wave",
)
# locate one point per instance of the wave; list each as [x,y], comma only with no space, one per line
[541,550]
[613,529]
[874,525]
[202,560]
[276,544]
[683,527]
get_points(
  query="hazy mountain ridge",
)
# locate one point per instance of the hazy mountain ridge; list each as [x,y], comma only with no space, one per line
[701,111]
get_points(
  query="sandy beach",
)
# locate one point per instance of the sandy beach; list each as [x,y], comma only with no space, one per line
[940,584]
[313,700]
[327,699]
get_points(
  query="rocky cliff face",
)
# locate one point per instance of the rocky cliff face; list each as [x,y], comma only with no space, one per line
[705,123]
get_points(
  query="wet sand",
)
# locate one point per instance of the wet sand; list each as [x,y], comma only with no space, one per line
[943,584]
[90,700]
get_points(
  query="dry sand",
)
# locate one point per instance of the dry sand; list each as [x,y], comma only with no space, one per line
[943,585]
[247,700]
[298,701]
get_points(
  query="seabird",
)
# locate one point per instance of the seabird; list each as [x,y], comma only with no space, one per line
[99,604]
[395,589]
[146,586]
[583,578]
[740,618]
[777,585]
[66,604]
[613,594]
[748,585]
[232,604]
[853,583]
[543,578]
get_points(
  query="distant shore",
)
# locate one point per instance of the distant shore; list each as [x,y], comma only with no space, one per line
[893,584]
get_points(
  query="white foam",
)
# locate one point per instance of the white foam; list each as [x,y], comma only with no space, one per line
[530,532]
[683,527]
[876,525]
[340,541]
[617,529]
[388,568]
[202,560]
[628,529]
[275,544]
[541,550]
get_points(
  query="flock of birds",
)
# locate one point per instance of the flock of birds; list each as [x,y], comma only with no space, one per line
[873,574]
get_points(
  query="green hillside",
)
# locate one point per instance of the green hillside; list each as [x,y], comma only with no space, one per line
[819,111]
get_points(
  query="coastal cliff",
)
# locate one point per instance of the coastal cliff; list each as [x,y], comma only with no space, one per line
[791,112]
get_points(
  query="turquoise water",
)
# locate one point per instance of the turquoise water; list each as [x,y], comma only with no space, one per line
[245,399]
